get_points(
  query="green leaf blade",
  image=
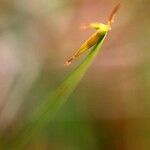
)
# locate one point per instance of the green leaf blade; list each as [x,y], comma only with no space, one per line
[56,99]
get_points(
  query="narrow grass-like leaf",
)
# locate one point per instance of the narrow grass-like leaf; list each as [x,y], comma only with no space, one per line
[57,98]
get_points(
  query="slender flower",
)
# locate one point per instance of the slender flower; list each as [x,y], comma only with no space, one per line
[101,30]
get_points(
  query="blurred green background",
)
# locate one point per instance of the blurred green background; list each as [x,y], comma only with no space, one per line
[110,109]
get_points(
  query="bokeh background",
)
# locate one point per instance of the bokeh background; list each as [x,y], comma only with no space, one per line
[110,109]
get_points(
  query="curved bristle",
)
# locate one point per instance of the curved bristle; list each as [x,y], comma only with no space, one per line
[113,13]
